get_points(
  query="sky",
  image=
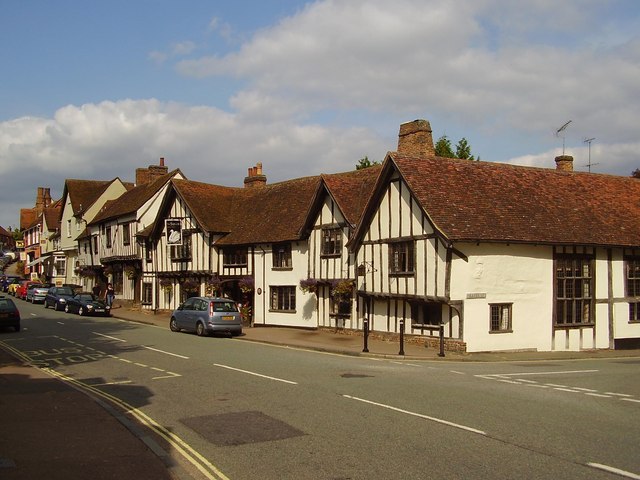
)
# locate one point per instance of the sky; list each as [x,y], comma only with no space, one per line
[94,90]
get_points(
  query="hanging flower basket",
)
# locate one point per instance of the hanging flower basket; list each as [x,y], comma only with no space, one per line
[309,285]
[246,284]
[166,284]
[213,286]
[190,284]
[132,271]
[341,289]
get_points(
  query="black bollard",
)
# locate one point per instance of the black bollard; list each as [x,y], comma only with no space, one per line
[441,354]
[401,352]
[366,335]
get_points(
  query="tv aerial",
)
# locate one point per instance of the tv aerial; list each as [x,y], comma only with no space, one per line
[560,130]
[588,141]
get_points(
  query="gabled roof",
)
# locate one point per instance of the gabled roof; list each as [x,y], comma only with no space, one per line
[265,214]
[496,202]
[52,217]
[351,190]
[130,201]
[83,193]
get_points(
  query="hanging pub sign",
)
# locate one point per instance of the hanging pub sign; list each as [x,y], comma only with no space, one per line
[173,231]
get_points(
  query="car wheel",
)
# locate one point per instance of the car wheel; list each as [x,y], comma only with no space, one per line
[200,331]
[80,311]
[173,325]
[66,309]
[55,306]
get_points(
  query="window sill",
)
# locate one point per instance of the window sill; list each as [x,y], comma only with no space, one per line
[569,326]
[281,311]
[177,260]
[494,332]
[402,274]
[282,269]
[330,255]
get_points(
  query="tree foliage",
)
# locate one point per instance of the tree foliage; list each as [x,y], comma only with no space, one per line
[444,148]
[365,163]
[636,173]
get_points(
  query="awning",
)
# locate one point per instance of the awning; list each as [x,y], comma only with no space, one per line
[36,261]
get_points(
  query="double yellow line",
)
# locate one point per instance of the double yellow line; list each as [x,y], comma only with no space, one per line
[191,455]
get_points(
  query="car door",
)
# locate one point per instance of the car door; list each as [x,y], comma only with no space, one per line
[183,316]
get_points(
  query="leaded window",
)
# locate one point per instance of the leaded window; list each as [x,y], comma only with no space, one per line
[574,290]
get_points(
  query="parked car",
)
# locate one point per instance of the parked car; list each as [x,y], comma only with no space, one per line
[21,291]
[37,292]
[9,314]
[57,297]
[205,315]
[86,303]
[10,280]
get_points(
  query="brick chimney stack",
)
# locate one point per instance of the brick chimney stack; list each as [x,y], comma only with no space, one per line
[149,174]
[564,163]
[415,139]
[43,199]
[255,177]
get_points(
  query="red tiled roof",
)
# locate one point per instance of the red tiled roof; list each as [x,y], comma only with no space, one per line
[265,214]
[351,190]
[133,199]
[83,193]
[494,202]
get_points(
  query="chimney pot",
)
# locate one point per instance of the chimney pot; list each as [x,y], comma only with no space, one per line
[255,177]
[162,161]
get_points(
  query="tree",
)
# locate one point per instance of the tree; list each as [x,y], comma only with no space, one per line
[636,173]
[365,163]
[463,150]
[443,147]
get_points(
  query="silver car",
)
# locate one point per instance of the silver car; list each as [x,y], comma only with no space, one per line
[205,315]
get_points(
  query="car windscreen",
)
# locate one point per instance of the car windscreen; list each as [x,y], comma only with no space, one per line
[64,291]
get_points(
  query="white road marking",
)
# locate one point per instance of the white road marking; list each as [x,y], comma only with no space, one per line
[597,395]
[617,471]
[618,394]
[630,400]
[457,373]
[167,353]
[535,373]
[426,417]
[123,382]
[256,374]
[109,337]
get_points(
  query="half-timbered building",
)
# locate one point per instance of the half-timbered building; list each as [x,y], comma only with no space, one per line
[505,257]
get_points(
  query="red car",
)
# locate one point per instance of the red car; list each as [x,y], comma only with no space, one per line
[21,291]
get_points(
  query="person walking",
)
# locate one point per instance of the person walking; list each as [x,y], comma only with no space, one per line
[109,294]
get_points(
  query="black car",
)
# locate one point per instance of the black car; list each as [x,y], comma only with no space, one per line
[86,303]
[57,297]
[9,314]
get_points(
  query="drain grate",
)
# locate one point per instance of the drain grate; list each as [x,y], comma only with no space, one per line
[239,428]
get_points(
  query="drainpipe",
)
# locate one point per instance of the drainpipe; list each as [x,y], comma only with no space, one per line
[264,293]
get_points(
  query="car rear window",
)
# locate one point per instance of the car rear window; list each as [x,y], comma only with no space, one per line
[224,307]
[7,304]
[64,291]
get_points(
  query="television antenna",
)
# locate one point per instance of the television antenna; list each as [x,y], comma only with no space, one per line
[589,140]
[560,130]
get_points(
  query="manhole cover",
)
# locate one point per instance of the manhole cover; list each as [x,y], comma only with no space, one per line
[239,428]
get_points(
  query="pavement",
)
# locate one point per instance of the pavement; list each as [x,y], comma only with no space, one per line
[51,429]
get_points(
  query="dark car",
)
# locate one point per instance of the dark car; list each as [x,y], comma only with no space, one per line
[9,314]
[57,297]
[205,315]
[86,303]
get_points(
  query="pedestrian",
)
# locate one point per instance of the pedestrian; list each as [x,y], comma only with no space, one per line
[109,294]
[96,290]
